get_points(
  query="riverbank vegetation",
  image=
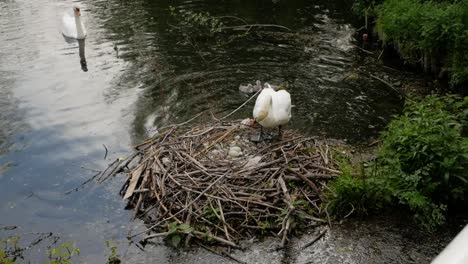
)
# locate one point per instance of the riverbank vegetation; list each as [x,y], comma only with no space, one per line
[433,34]
[421,165]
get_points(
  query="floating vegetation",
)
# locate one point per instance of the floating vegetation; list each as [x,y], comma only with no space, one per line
[211,183]
[13,247]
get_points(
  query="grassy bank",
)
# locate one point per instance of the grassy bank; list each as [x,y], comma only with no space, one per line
[431,33]
[421,166]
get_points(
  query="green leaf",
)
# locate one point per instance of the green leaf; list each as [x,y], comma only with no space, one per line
[185,228]
[175,240]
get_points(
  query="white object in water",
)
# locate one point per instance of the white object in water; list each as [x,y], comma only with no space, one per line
[249,88]
[258,86]
[456,252]
[246,88]
[272,108]
[73,27]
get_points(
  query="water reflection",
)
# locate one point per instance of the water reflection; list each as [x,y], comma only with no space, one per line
[81,47]
[56,118]
[182,74]
[81,51]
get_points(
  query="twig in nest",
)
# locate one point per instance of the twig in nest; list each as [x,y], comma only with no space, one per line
[177,181]
[185,208]
[117,166]
[217,140]
[308,182]
[223,219]
[287,219]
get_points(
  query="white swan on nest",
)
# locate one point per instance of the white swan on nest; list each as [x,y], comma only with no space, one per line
[73,27]
[272,108]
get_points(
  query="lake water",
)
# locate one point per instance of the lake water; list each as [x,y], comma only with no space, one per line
[144,70]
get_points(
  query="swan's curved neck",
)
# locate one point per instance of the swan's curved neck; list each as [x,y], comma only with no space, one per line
[266,102]
[79,26]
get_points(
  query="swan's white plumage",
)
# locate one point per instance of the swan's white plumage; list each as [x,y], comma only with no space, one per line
[272,108]
[73,27]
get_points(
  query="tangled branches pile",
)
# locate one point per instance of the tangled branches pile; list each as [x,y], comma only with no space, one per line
[187,183]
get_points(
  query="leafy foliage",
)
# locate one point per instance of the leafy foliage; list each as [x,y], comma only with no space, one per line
[437,31]
[176,232]
[422,164]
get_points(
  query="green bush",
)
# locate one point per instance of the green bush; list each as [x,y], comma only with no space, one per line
[366,8]
[434,32]
[422,164]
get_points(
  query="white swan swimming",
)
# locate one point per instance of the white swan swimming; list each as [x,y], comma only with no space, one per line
[73,27]
[272,108]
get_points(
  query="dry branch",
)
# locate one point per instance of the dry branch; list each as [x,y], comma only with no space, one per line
[184,182]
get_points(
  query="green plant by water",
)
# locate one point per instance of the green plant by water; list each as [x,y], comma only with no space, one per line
[63,253]
[431,33]
[421,165]
[11,251]
[112,256]
[5,259]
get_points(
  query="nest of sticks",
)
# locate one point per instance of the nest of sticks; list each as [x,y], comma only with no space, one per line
[186,183]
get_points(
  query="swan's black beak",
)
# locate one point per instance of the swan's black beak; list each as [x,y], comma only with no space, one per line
[77,11]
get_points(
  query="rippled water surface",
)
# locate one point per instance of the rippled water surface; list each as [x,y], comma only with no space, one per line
[143,70]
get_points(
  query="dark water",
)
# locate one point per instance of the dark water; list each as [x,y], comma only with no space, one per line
[144,72]
[314,59]
[182,74]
